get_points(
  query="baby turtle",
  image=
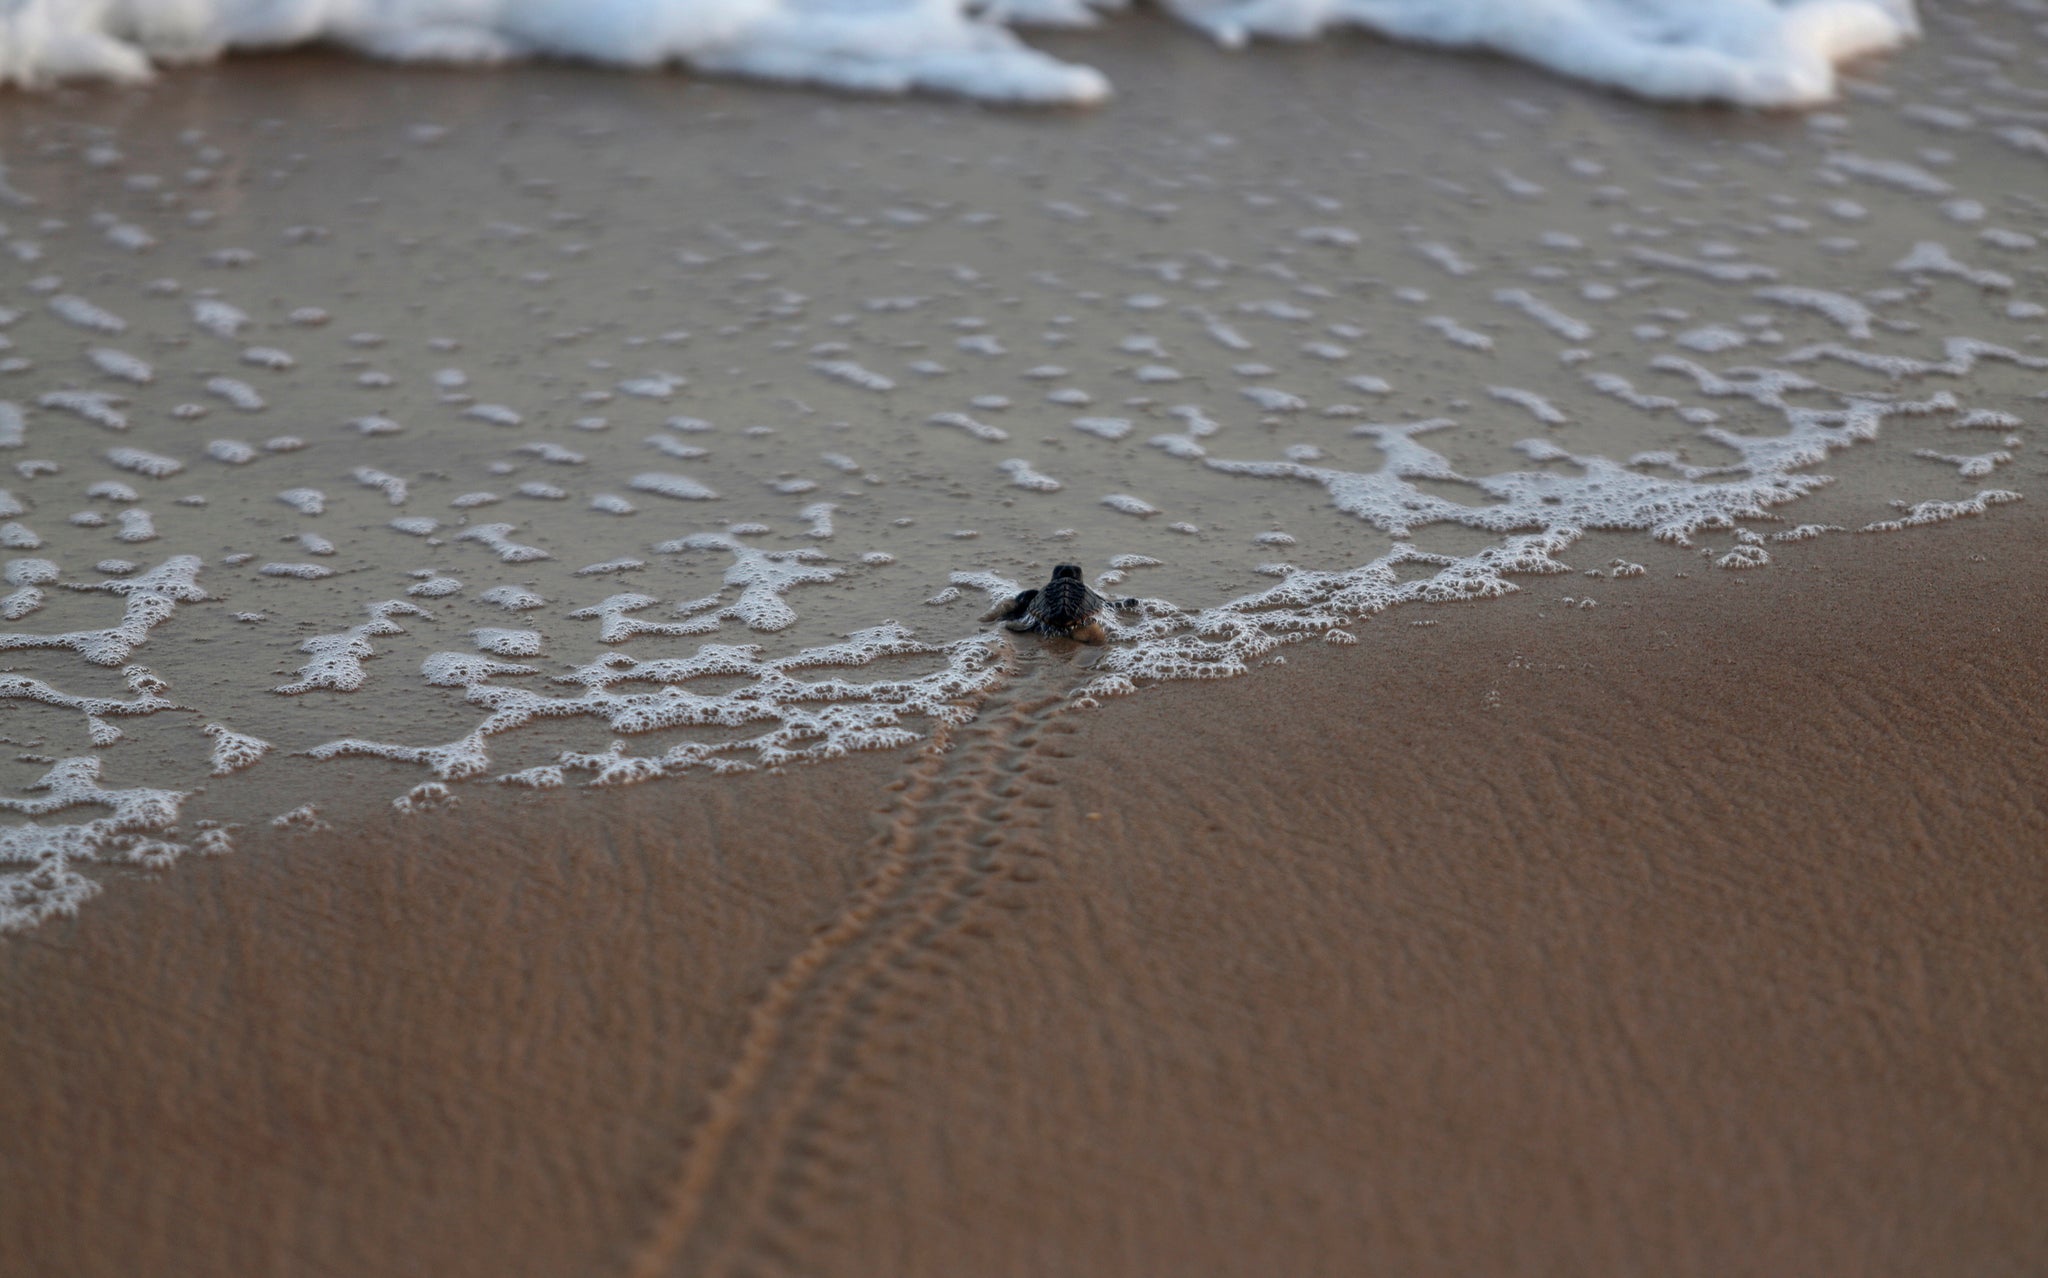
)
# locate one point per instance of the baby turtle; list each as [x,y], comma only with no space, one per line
[1064,607]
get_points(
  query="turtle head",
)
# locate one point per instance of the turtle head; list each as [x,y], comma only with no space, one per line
[1071,571]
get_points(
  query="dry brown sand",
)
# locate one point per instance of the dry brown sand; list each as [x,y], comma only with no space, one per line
[1693,935]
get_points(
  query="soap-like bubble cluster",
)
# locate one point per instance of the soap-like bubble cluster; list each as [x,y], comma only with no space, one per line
[44,874]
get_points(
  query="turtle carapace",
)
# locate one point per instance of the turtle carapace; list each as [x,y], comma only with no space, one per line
[1063,606]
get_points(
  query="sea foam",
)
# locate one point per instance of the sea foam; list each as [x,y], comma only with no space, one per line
[1771,53]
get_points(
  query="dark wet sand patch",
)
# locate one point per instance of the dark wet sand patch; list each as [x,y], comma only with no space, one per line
[1696,933]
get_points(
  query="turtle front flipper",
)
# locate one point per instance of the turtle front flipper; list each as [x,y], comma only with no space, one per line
[1011,609]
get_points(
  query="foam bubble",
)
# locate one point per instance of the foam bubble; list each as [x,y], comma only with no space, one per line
[845,370]
[1023,476]
[1521,299]
[337,659]
[512,598]
[763,576]
[52,882]
[508,643]
[980,430]
[1538,407]
[667,484]
[1456,334]
[97,407]
[303,572]
[233,751]
[136,526]
[1938,511]
[1706,268]
[1895,173]
[218,317]
[1110,428]
[612,567]
[307,501]
[428,796]
[1712,339]
[1930,257]
[239,394]
[1960,357]
[143,462]
[149,601]
[122,365]
[499,538]
[495,414]
[269,357]
[811,719]
[1124,503]
[75,310]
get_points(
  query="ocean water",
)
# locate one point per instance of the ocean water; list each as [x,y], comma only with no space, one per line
[375,436]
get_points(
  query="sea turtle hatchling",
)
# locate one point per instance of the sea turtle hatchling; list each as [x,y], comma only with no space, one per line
[1064,606]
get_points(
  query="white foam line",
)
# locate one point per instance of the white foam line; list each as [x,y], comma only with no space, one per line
[1745,51]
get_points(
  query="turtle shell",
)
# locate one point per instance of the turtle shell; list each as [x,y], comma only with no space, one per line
[1065,602]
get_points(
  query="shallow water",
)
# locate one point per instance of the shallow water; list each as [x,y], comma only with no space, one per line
[717,377]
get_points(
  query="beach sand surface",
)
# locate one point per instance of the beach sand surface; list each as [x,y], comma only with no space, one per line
[1696,933]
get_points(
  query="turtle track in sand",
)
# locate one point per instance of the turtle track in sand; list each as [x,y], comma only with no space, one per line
[955,847]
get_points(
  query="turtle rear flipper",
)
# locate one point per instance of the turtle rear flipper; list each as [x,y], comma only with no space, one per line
[1011,609]
[1089,631]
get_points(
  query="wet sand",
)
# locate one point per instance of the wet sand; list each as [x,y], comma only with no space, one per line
[1696,932]
[1566,941]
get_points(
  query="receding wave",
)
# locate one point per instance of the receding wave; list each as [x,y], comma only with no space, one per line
[1770,53]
